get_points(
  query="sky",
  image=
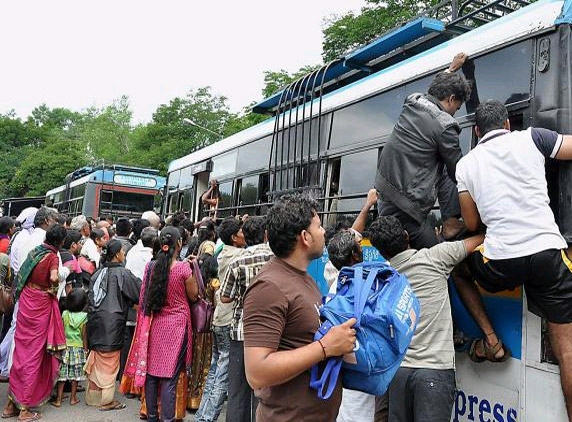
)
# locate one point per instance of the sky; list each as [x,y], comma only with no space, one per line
[78,54]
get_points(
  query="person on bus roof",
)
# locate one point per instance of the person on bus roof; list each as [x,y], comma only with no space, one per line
[502,184]
[424,143]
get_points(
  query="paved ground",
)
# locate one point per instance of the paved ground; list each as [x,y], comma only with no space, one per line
[83,413]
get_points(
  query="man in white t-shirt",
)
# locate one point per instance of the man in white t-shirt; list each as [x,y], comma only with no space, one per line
[502,184]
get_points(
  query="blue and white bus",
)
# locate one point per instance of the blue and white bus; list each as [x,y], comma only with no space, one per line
[329,127]
[108,189]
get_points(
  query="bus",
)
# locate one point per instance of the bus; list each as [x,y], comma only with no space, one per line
[114,189]
[327,129]
[12,207]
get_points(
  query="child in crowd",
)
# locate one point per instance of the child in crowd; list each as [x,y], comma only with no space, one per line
[74,357]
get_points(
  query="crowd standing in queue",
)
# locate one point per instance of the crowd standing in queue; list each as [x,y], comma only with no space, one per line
[102,307]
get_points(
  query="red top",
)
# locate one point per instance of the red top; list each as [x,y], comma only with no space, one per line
[41,272]
[4,243]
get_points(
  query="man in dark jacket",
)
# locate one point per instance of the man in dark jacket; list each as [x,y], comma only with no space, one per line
[418,162]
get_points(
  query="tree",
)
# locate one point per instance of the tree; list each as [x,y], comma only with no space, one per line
[167,138]
[345,33]
[45,168]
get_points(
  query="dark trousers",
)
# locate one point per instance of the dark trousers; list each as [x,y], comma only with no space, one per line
[418,394]
[241,406]
[168,392]
[6,323]
[129,333]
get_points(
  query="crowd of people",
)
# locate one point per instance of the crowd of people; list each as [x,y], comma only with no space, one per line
[105,303]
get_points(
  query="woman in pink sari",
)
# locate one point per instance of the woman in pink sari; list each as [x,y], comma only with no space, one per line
[39,334]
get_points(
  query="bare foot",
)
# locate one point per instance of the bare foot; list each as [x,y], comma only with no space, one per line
[56,403]
[74,401]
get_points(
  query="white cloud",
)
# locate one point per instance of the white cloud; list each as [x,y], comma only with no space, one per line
[76,54]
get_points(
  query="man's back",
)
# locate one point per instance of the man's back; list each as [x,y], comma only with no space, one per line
[424,139]
[428,270]
[505,176]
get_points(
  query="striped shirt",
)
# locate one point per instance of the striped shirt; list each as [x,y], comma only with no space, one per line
[241,272]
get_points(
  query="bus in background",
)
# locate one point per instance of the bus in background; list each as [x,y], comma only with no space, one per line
[108,189]
[13,206]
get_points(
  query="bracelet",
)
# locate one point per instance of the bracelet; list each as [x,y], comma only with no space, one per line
[323,349]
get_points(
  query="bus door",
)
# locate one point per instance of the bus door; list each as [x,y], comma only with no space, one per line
[201,184]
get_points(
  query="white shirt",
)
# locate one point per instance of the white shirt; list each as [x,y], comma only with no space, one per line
[136,261]
[505,176]
[25,241]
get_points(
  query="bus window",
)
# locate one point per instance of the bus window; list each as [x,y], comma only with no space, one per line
[466,139]
[249,156]
[224,164]
[369,119]
[132,202]
[225,190]
[248,194]
[173,181]
[173,205]
[263,189]
[357,176]
[186,178]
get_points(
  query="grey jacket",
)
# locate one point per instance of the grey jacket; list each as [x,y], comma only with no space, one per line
[423,142]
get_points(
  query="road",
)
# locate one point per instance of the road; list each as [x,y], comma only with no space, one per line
[83,413]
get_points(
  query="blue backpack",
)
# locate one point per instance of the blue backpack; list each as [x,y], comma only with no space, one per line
[387,312]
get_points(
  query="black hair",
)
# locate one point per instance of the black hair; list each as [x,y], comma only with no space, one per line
[76,300]
[123,227]
[138,225]
[209,267]
[6,223]
[490,115]
[96,234]
[341,249]
[229,227]
[183,234]
[109,251]
[206,231]
[388,236]
[188,224]
[61,218]
[177,218]
[55,235]
[254,229]
[160,277]
[72,236]
[444,85]
[148,236]
[287,218]
[193,246]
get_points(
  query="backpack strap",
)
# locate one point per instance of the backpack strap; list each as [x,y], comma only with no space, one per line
[361,290]
[325,383]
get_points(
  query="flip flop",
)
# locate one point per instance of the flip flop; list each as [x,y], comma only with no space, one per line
[10,415]
[116,406]
[35,416]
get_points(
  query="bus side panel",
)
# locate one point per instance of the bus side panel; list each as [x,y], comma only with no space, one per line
[487,391]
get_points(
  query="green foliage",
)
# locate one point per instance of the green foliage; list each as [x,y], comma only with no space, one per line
[345,33]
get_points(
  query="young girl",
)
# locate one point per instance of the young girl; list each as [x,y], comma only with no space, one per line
[71,368]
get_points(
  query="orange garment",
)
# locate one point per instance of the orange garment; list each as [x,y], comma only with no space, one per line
[101,369]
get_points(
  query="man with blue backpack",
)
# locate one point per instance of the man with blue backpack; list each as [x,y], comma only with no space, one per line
[423,388]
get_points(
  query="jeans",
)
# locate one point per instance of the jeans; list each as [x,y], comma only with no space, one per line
[242,403]
[216,385]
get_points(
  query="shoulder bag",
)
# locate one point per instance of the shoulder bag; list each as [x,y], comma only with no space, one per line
[201,310]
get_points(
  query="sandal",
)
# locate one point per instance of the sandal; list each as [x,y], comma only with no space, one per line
[114,405]
[10,415]
[33,417]
[490,351]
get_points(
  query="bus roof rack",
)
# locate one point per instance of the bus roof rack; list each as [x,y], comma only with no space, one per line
[432,27]
[100,165]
